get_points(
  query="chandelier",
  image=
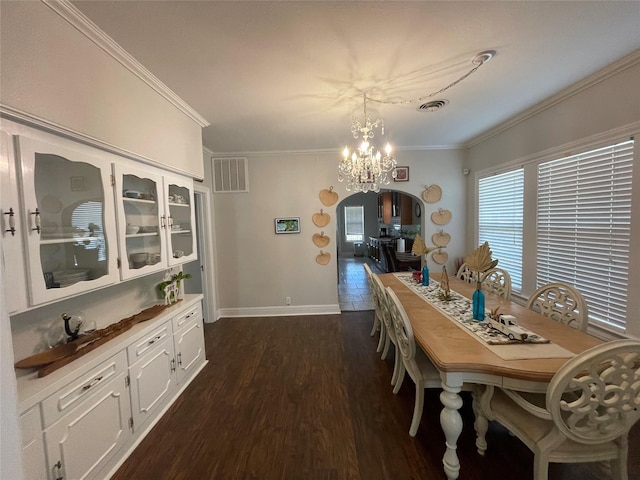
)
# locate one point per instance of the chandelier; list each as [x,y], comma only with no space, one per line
[363,169]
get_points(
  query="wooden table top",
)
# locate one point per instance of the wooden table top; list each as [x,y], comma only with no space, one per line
[452,349]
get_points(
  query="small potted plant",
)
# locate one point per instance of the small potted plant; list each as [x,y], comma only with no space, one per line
[171,289]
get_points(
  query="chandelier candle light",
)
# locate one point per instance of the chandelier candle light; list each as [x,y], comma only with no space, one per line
[363,170]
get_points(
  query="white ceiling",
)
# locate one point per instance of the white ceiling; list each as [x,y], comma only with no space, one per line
[279,76]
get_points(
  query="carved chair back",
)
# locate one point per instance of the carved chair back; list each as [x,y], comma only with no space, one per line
[604,393]
[498,281]
[561,302]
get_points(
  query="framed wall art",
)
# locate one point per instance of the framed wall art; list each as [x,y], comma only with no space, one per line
[287,225]
[402,174]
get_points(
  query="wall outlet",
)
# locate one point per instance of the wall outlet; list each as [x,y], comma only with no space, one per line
[287,300]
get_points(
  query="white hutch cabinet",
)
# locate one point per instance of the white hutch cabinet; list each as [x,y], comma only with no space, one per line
[61,235]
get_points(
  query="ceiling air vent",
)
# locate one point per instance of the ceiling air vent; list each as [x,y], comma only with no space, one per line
[230,174]
[433,106]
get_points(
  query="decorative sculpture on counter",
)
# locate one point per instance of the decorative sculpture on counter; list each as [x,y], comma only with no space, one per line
[170,289]
[480,261]
[73,333]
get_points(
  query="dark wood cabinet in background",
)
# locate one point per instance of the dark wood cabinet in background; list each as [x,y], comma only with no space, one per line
[394,207]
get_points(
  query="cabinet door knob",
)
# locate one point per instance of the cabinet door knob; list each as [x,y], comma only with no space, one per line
[12,221]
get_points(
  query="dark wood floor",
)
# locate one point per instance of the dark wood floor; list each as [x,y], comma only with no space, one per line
[307,398]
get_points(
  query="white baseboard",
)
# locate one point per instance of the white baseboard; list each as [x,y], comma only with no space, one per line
[278,311]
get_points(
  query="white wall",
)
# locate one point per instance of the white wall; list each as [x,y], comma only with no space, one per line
[52,71]
[258,269]
[611,105]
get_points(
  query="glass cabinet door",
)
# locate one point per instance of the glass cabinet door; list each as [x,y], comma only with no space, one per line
[181,219]
[141,220]
[69,219]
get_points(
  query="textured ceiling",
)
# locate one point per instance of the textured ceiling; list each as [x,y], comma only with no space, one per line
[281,76]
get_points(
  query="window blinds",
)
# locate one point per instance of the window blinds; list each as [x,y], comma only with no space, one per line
[84,214]
[500,211]
[584,226]
[354,223]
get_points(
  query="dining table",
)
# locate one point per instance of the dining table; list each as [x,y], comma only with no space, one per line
[462,357]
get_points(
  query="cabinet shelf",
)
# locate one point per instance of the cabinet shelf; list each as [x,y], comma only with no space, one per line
[54,241]
[171,204]
[140,235]
[139,200]
[174,232]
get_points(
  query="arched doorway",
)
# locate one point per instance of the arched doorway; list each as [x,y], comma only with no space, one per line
[387,216]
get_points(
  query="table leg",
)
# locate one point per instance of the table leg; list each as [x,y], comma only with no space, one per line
[481,424]
[451,423]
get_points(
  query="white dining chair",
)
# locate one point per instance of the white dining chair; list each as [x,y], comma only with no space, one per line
[590,405]
[389,335]
[498,281]
[415,362]
[376,316]
[561,302]
[466,274]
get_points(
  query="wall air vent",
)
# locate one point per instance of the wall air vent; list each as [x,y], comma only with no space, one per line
[230,174]
[433,106]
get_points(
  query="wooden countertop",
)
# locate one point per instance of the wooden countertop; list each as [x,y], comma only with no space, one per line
[32,389]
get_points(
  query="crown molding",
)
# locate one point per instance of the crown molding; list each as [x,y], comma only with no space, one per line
[331,151]
[90,30]
[616,67]
[591,142]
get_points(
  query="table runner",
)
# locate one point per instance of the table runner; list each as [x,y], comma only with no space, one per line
[459,311]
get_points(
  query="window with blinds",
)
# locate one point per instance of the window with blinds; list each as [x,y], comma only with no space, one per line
[354,224]
[584,226]
[500,222]
[87,218]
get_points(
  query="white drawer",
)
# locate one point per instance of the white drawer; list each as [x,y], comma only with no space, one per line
[187,316]
[145,344]
[56,405]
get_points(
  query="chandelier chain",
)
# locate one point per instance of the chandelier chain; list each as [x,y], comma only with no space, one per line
[480,62]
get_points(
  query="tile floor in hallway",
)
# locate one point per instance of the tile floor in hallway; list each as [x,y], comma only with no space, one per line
[353,289]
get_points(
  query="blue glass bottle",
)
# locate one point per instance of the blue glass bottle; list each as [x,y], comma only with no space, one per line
[425,276]
[478,303]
